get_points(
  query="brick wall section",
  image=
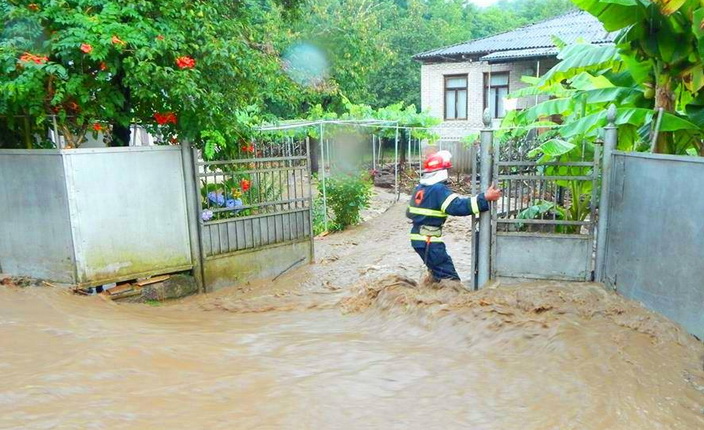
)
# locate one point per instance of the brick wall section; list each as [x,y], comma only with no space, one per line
[433,91]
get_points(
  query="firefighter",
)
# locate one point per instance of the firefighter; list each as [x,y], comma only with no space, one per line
[431,202]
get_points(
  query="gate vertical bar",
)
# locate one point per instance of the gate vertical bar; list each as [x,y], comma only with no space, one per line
[483,263]
[610,140]
[592,209]
[310,201]
[398,189]
[193,209]
[493,209]
[473,218]
[325,195]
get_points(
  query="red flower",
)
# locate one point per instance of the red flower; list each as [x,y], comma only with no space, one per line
[33,7]
[37,59]
[97,127]
[185,62]
[103,66]
[165,118]
[248,148]
[117,41]
[86,48]
[245,184]
[160,37]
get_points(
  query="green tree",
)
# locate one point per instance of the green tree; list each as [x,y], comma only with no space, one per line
[347,31]
[370,43]
[184,68]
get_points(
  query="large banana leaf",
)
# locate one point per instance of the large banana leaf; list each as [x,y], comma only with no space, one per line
[640,69]
[564,106]
[551,150]
[579,58]
[695,113]
[698,30]
[586,81]
[614,14]
[554,90]
[633,116]
[668,7]
[607,95]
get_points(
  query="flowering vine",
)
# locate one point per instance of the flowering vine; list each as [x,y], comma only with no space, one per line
[185,62]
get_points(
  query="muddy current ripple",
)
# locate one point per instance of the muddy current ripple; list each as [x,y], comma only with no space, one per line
[373,350]
[391,355]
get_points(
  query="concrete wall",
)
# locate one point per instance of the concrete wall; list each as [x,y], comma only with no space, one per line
[93,216]
[259,263]
[35,228]
[655,236]
[433,90]
[128,212]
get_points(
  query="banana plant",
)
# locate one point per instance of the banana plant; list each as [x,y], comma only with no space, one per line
[661,43]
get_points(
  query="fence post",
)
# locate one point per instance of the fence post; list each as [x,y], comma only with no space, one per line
[310,202]
[396,186]
[484,254]
[193,212]
[610,141]
[324,182]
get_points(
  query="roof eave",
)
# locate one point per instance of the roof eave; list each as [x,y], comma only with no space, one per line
[455,58]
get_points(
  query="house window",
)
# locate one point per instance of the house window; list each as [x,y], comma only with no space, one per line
[456,97]
[495,91]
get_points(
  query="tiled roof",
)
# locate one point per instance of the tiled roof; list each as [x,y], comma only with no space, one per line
[570,27]
[517,54]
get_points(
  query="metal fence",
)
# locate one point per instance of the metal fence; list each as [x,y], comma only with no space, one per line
[544,224]
[261,198]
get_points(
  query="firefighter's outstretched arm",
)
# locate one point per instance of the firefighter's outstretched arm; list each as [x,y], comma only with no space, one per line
[457,205]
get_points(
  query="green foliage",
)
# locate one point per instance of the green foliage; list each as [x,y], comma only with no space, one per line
[105,64]
[318,216]
[660,44]
[346,195]
[582,85]
[370,43]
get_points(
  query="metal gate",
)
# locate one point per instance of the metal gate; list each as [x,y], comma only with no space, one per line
[255,201]
[537,231]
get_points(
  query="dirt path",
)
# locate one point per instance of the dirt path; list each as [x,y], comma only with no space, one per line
[378,247]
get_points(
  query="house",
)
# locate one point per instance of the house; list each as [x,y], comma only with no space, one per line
[458,82]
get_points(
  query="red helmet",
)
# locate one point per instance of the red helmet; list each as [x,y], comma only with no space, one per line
[437,161]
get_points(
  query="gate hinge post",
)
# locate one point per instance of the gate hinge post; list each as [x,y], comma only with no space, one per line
[485,160]
[610,141]
[193,209]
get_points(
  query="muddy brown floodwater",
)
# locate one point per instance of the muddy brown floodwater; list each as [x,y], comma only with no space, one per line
[350,342]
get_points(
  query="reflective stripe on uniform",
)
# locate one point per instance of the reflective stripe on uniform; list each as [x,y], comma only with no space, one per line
[427,212]
[422,238]
[475,205]
[447,201]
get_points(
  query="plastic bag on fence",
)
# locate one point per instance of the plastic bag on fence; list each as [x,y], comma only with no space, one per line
[218,198]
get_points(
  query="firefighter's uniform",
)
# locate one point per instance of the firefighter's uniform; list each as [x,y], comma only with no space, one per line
[430,205]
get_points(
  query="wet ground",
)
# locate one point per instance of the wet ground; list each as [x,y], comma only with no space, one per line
[354,341]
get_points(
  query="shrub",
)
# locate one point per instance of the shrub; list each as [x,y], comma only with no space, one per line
[319,216]
[346,195]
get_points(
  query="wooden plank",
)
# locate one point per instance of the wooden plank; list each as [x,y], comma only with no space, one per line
[153,280]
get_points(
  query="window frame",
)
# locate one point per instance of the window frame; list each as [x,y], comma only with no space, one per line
[487,90]
[455,90]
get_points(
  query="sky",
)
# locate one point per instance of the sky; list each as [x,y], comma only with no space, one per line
[483,2]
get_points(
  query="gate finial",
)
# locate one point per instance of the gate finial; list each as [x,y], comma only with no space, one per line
[486,118]
[611,114]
